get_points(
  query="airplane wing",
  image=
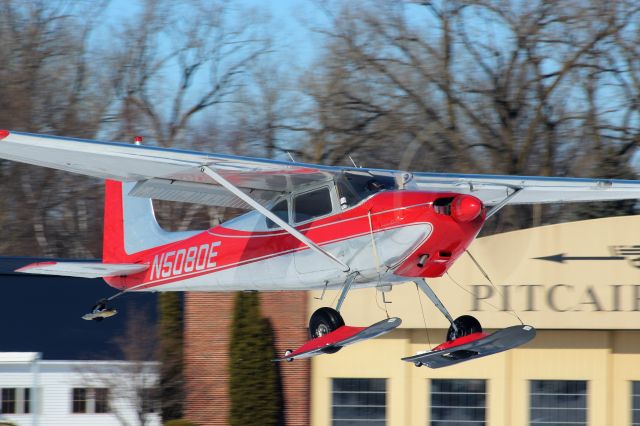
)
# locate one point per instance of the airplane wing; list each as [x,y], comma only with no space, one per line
[163,173]
[493,189]
[83,269]
[176,175]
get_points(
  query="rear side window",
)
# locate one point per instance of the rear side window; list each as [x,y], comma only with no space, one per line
[282,211]
[312,204]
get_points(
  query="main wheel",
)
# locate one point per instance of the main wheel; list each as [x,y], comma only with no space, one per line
[466,325]
[324,321]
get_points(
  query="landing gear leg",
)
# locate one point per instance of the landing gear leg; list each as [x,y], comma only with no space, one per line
[422,285]
[347,286]
[325,320]
[461,326]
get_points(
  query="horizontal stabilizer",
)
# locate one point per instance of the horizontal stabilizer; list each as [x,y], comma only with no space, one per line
[83,269]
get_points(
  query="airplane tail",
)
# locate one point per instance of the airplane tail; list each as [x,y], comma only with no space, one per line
[130,225]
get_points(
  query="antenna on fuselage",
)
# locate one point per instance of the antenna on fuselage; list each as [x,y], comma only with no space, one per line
[353,162]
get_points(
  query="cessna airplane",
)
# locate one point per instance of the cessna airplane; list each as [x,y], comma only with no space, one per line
[308,227]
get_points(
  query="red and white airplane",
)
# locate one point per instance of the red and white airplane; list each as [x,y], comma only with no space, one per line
[309,227]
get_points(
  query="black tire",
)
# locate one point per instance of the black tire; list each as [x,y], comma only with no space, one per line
[324,321]
[466,325]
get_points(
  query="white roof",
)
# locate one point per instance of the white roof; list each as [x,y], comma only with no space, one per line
[19,356]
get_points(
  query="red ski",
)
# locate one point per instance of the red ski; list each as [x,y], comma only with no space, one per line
[342,336]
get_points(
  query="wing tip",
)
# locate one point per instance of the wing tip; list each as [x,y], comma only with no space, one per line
[4,134]
[27,268]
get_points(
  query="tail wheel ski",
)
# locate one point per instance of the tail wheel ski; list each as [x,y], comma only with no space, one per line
[324,321]
[464,326]
[100,311]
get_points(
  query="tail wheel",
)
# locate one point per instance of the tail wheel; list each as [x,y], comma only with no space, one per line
[324,321]
[466,325]
[101,305]
[287,353]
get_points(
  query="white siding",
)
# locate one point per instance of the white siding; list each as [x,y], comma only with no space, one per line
[56,379]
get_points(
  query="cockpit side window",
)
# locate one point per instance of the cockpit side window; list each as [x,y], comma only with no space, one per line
[312,204]
[280,209]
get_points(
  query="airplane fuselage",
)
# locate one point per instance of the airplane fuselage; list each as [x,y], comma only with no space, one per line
[389,237]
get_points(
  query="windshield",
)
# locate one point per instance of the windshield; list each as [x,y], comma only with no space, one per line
[356,187]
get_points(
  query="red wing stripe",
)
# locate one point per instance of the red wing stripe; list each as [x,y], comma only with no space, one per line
[4,134]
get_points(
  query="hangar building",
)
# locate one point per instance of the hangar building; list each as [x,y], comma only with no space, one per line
[578,283]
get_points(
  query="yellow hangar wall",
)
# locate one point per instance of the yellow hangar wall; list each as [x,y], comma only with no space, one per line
[578,283]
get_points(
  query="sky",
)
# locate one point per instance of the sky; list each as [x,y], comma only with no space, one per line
[290,23]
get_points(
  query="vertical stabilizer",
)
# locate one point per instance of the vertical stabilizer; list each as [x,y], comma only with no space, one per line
[130,225]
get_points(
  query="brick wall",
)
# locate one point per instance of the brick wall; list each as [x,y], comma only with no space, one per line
[206,340]
[288,314]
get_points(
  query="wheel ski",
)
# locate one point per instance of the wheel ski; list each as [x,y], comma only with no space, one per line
[342,336]
[473,346]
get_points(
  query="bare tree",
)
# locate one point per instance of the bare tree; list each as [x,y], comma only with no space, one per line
[155,79]
[187,58]
[132,383]
[475,86]
[50,84]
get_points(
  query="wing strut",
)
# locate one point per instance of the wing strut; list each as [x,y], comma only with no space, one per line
[265,212]
[503,203]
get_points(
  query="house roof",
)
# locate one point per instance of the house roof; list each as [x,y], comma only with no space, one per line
[42,314]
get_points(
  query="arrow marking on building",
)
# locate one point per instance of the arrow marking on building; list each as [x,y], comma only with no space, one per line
[562,258]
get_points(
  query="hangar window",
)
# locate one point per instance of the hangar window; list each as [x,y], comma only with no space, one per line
[15,401]
[79,400]
[359,402]
[8,400]
[26,399]
[456,402]
[150,400]
[90,400]
[635,403]
[101,396]
[558,402]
